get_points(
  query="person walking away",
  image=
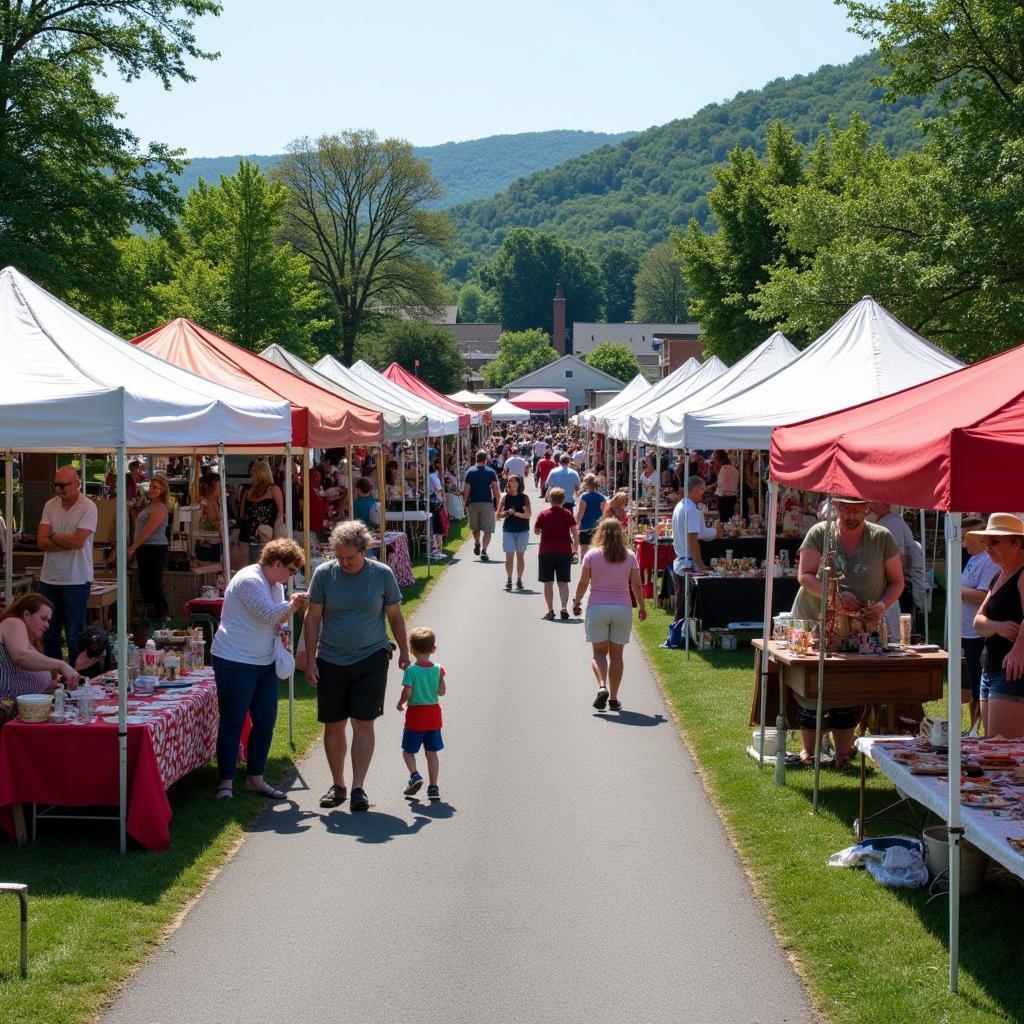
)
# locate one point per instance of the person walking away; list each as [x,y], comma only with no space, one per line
[422,685]
[481,495]
[65,535]
[567,480]
[559,544]
[149,548]
[514,510]
[589,510]
[352,600]
[543,470]
[978,573]
[516,465]
[244,666]
[688,530]
[612,573]
[912,559]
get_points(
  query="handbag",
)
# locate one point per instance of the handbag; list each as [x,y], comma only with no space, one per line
[284,661]
[675,639]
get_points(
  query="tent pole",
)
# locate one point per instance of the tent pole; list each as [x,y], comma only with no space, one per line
[122,649]
[426,478]
[222,465]
[351,481]
[924,548]
[953,714]
[769,585]
[306,544]
[289,513]
[382,507]
[657,512]
[9,519]
[825,573]
[743,506]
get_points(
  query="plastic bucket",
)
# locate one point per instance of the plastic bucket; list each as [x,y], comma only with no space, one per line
[728,643]
[973,863]
[771,741]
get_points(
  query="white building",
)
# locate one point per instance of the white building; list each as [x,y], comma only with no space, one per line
[568,376]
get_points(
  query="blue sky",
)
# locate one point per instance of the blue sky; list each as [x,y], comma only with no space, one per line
[456,69]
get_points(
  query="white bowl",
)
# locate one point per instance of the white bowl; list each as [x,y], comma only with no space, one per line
[35,707]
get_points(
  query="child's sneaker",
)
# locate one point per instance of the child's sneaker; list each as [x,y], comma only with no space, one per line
[433,793]
[415,784]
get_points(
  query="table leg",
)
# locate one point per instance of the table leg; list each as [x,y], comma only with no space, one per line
[860,813]
[20,834]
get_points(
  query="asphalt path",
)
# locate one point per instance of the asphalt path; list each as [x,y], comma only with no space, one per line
[574,870]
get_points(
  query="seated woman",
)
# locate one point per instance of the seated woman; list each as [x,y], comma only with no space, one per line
[23,666]
[366,508]
[261,513]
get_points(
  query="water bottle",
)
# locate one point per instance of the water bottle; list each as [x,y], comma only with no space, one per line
[58,703]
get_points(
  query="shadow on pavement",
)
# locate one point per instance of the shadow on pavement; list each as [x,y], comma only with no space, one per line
[372,826]
[437,811]
[631,718]
[285,818]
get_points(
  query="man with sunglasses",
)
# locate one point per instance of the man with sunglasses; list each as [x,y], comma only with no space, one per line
[65,535]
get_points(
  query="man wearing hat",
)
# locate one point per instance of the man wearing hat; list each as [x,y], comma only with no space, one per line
[94,658]
[869,562]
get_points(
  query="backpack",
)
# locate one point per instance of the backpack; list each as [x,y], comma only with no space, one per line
[676,638]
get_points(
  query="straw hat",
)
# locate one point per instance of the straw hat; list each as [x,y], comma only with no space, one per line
[1000,524]
[843,500]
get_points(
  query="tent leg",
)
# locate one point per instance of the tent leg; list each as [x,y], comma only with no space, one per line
[769,583]
[955,829]
[122,650]
[9,519]
[924,548]
[825,573]
[225,534]
[289,511]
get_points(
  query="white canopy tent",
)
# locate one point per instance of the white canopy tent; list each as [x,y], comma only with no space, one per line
[399,423]
[865,354]
[72,385]
[639,385]
[440,422]
[626,424]
[504,411]
[605,415]
[472,399]
[664,426]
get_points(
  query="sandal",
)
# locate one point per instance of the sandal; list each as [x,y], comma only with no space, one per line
[334,797]
[615,705]
[268,791]
[549,616]
[226,792]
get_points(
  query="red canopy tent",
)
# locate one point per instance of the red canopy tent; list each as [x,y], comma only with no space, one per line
[540,400]
[320,419]
[950,444]
[404,379]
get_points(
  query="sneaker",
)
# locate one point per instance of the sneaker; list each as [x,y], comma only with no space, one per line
[615,705]
[334,797]
[433,793]
[415,784]
[601,700]
[564,614]
[484,557]
[519,585]
[508,584]
[360,801]
[549,616]
[476,548]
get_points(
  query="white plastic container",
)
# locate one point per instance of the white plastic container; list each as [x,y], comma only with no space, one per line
[973,863]
[771,741]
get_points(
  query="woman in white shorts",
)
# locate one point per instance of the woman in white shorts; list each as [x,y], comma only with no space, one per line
[514,511]
[611,571]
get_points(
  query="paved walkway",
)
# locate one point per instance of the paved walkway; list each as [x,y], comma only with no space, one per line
[574,872]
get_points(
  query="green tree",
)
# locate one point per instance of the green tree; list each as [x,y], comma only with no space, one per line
[618,274]
[404,341]
[519,352]
[724,268]
[475,305]
[233,276]
[358,211]
[524,272]
[72,181]
[661,292]
[615,358]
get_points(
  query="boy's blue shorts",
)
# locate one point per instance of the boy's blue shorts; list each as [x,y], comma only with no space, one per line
[429,739]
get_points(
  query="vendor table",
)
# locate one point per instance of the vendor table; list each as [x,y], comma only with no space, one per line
[850,679]
[73,765]
[20,585]
[748,547]
[645,552]
[720,600]
[398,557]
[982,828]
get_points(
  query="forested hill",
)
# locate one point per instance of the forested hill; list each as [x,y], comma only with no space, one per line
[632,194]
[467,170]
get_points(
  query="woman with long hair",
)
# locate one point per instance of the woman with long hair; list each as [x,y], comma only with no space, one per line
[262,511]
[23,666]
[514,510]
[149,548]
[610,571]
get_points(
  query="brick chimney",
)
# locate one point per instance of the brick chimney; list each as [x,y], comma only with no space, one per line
[558,320]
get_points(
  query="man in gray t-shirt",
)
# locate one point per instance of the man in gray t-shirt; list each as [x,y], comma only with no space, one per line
[349,600]
[565,477]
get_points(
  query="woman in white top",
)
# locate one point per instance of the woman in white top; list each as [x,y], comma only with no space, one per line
[243,662]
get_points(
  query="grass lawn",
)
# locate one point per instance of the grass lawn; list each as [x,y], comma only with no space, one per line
[867,953]
[94,915]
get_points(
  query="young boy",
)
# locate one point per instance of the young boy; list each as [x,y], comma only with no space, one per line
[422,684]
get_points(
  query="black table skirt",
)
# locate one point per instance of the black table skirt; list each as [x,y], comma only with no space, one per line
[748,547]
[717,601]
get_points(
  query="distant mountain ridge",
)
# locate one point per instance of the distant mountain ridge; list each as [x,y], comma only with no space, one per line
[466,170]
[632,194]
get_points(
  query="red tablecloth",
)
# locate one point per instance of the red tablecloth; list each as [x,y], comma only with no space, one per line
[72,765]
[207,605]
[645,555]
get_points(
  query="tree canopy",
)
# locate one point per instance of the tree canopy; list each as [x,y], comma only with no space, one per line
[357,211]
[615,358]
[72,181]
[405,341]
[618,275]
[661,291]
[519,352]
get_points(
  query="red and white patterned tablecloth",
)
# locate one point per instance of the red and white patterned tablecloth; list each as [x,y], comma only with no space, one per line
[398,557]
[75,765]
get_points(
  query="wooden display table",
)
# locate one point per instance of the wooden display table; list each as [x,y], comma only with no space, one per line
[850,679]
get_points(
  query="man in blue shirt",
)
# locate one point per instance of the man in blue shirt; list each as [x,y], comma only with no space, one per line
[481,495]
[567,478]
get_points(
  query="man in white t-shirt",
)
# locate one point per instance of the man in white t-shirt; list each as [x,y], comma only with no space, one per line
[65,535]
[516,465]
[688,530]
